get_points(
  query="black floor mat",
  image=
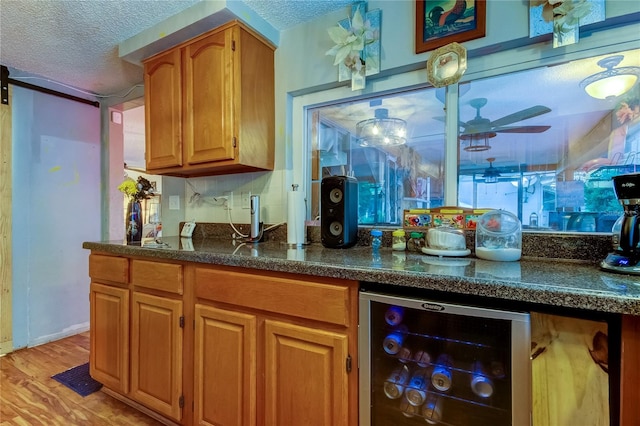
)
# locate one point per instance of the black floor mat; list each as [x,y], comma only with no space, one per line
[78,380]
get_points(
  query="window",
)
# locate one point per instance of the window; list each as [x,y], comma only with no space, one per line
[390,177]
[531,142]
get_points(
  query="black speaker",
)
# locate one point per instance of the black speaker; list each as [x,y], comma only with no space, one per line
[339,211]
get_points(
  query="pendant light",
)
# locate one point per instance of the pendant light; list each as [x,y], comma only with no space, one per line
[491,175]
[478,141]
[612,81]
[381,130]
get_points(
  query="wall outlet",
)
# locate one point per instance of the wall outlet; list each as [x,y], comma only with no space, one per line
[229,204]
[246,199]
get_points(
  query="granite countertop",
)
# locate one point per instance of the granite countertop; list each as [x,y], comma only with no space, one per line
[555,283]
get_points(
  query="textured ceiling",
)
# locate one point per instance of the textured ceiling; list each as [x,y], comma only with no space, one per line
[76,42]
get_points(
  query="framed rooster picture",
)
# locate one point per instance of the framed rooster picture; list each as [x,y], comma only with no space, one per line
[440,22]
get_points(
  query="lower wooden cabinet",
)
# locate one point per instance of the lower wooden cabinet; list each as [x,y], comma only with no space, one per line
[225,367]
[570,371]
[137,325]
[109,352]
[306,375]
[211,345]
[268,353]
[156,353]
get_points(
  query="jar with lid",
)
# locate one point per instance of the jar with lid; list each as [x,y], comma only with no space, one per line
[416,241]
[376,239]
[399,241]
[499,236]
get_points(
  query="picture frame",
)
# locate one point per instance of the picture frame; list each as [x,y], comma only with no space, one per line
[440,22]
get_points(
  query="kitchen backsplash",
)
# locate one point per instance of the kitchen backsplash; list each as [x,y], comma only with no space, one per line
[201,194]
[584,247]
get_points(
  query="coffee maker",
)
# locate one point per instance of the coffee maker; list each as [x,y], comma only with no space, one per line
[625,257]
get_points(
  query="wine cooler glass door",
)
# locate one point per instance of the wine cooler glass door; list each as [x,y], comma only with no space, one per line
[425,362]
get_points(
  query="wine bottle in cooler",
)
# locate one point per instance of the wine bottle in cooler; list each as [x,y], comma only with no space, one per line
[405,354]
[481,384]
[394,315]
[396,382]
[394,340]
[432,409]
[442,377]
[408,409]
[416,391]
[496,368]
[422,358]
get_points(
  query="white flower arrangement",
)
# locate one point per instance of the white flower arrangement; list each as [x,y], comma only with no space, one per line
[565,14]
[350,43]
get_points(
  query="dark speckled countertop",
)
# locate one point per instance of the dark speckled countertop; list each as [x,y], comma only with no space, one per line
[568,284]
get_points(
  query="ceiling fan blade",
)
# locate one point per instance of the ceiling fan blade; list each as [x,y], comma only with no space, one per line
[522,129]
[442,118]
[534,111]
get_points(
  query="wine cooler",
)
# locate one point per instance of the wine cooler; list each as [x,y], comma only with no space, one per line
[424,362]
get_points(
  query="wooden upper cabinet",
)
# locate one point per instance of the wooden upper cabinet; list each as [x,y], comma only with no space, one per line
[219,98]
[208,106]
[163,106]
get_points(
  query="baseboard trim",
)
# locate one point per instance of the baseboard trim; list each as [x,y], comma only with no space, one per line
[69,331]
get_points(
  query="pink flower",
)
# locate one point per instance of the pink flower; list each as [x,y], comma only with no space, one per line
[626,113]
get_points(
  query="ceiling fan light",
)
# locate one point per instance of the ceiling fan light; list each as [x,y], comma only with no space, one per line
[381,130]
[609,87]
[491,175]
[611,82]
[477,142]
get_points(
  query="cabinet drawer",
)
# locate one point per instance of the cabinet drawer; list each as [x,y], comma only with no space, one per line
[315,300]
[157,275]
[108,268]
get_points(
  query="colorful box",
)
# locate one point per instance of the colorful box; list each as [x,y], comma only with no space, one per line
[456,217]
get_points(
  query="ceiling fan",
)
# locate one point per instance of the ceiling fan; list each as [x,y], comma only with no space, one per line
[480,129]
[491,174]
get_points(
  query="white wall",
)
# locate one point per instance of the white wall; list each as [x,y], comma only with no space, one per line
[56,207]
[302,68]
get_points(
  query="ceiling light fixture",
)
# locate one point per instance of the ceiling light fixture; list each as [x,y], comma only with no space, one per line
[381,130]
[612,81]
[491,175]
[478,141]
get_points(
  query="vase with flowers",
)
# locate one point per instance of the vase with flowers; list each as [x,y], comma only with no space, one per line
[135,191]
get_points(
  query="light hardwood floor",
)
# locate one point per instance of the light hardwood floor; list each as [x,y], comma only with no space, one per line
[30,397]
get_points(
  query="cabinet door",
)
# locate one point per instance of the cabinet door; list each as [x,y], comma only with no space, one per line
[569,370]
[163,100]
[156,353]
[209,99]
[225,367]
[305,376]
[109,322]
